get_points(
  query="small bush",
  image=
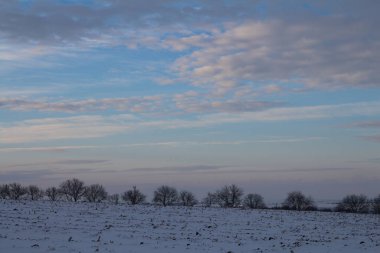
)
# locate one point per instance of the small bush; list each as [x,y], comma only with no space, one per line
[353,204]
[34,192]
[297,201]
[376,205]
[165,195]
[95,193]
[187,198]
[52,193]
[134,196]
[254,201]
[17,191]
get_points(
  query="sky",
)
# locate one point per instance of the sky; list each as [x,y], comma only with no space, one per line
[273,96]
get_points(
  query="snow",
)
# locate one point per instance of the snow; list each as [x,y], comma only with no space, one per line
[42,226]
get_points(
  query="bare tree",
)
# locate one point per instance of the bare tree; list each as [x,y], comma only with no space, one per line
[230,196]
[16,191]
[297,201]
[376,205]
[114,198]
[95,193]
[52,193]
[134,196]
[73,189]
[4,191]
[187,198]
[165,195]
[210,199]
[34,192]
[354,204]
[254,201]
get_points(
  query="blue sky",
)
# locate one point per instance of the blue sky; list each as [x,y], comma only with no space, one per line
[270,95]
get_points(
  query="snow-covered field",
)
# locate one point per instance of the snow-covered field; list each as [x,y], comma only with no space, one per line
[43,226]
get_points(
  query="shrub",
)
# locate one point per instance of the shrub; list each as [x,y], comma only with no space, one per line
[254,201]
[34,192]
[187,198]
[95,193]
[52,193]
[16,191]
[376,205]
[5,191]
[353,204]
[114,198]
[134,196]
[297,201]
[210,199]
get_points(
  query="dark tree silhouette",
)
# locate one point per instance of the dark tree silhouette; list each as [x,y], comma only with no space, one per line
[254,201]
[376,205]
[34,192]
[165,195]
[134,196]
[52,193]
[210,199]
[5,191]
[73,189]
[297,201]
[95,193]
[229,196]
[16,191]
[354,204]
[187,198]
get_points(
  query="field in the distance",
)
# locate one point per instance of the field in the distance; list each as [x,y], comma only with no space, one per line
[42,226]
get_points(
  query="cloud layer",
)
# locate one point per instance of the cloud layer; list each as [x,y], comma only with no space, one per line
[94,126]
[313,51]
[326,53]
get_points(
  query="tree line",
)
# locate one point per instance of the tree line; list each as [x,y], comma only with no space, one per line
[229,196]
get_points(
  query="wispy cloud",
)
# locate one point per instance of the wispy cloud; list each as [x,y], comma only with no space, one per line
[366,124]
[371,138]
[279,114]
[59,173]
[195,102]
[373,125]
[173,144]
[45,149]
[98,126]
[10,93]
[58,162]
[59,128]
[176,169]
[234,169]
[74,26]
[187,102]
[133,104]
[64,23]
[48,173]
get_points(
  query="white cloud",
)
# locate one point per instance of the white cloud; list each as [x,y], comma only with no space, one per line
[324,53]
